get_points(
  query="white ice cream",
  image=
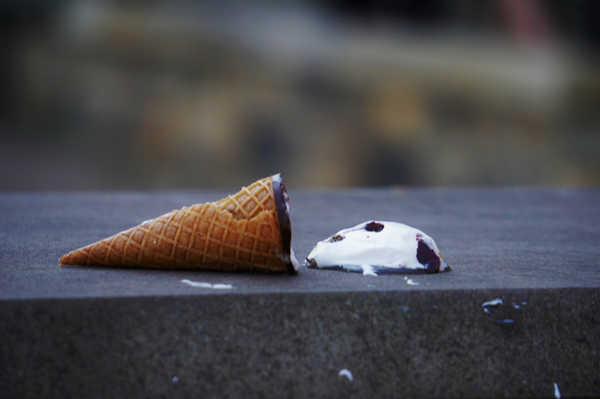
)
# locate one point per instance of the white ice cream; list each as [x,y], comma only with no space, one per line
[200,284]
[379,247]
[346,373]
[493,302]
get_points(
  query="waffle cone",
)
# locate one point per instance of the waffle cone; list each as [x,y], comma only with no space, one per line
[247,231]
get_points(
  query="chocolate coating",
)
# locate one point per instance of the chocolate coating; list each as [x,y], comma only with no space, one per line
[374,226]
[427,257]
[282,204]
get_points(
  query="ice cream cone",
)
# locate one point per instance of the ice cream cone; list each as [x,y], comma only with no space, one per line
[247,231]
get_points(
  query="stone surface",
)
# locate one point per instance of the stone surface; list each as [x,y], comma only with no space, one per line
[99,332]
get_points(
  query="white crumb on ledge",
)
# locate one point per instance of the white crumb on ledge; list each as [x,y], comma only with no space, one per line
[347,374]
[199,284]
[493,302]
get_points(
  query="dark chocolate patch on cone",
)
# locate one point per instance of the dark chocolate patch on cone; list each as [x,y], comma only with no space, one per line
[282,204]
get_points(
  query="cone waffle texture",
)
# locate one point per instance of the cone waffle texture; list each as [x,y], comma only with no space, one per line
[238,233]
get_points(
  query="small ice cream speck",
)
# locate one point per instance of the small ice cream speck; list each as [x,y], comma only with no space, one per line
[200,284]
[375,248]
[347,374]
[556,391]
[493,302]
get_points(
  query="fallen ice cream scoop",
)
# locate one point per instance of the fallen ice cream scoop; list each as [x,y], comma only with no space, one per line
[374,248]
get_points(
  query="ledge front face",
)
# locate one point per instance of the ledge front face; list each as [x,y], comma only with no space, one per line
[395,344]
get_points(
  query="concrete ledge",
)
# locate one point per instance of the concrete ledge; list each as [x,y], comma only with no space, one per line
[94,332]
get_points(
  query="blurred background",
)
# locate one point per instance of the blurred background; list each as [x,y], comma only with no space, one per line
[126,94]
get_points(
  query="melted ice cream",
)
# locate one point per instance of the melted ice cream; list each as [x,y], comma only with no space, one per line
[378,248]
